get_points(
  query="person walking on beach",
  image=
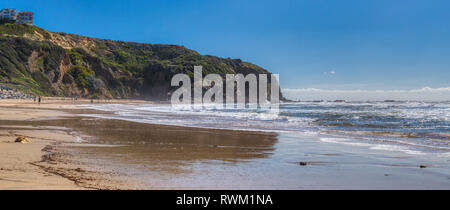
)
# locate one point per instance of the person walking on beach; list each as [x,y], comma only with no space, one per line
[39,100]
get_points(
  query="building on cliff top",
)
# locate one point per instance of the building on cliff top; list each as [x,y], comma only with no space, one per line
[21,17]
[25,17]
[8,14]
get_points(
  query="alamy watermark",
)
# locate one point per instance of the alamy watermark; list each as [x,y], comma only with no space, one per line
[244,92]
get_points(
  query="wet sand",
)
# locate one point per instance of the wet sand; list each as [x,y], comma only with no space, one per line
[119,154]
[74,152]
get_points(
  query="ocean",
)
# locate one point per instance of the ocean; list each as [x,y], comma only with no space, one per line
[411,127]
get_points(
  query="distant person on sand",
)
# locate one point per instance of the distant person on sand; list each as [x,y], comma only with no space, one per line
[39,100]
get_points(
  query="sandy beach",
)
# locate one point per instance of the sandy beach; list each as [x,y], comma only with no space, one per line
[41,163]
[74,147]
[20,163]
[59,157]
[54,158]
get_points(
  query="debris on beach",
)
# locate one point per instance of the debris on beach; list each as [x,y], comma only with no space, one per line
[22,139]
[422,166]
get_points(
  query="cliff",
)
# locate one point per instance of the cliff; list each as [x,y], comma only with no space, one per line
[41,62]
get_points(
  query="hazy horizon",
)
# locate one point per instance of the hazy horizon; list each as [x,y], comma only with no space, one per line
[422,94]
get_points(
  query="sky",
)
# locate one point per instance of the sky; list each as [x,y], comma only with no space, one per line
[347,45]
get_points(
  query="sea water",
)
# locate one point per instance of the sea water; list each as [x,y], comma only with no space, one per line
[408,126]
[306,145]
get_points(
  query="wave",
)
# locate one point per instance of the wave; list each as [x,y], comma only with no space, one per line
[423,125]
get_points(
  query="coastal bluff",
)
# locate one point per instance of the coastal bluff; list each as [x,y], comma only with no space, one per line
[39,62]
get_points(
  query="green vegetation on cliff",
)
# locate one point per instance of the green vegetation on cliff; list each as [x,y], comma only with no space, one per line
[58,64]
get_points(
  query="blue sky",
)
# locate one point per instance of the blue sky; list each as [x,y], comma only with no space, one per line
[326,44]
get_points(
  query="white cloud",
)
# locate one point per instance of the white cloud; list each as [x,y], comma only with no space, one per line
[330,72]
[423,94]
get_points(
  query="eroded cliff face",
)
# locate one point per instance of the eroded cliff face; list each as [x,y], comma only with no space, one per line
[58,64]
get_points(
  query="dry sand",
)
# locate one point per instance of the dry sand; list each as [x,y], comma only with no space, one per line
[42,163]
[18,169]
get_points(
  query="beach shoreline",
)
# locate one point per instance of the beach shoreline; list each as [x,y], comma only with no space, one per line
[54,158]
[22,164]
[43,163]
[72,148]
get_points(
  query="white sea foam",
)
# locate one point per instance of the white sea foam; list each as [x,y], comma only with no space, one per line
[361,123]
[372,146]
[444,155]
[208,117]
[344,141]
[396,148]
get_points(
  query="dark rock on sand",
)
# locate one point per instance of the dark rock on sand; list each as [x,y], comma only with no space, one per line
[303,163]
[80,170]
[22,139]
